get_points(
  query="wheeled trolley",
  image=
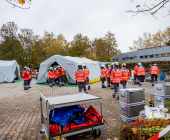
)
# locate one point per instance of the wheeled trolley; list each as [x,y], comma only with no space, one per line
[65,101]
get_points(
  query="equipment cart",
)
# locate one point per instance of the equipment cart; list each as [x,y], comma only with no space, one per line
[65,101]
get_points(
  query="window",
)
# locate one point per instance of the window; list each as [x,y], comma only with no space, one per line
[141,57]
[151,56]
[168,54]
[146,56]
[123,58]
[117,59]
[127,58]
[163,55]
[135,57]
[157,55]
[114,59]
[131,57]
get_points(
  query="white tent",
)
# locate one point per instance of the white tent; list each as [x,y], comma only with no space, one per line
[70,65]
[9,71]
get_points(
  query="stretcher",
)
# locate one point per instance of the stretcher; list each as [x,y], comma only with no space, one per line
[54,131]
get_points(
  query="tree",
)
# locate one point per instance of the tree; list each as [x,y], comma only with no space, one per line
[151,40]
[151,8]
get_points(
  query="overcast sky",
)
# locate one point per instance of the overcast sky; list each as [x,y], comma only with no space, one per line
[92,18]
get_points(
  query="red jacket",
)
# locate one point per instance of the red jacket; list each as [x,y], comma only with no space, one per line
[108,72]
[56,74]
[116,75]
[61,71]
[25,75]
[103,73]
[50,74]
[80,75]
[87,72]
[154,70]
[141,71]
[125,74]
[135,70]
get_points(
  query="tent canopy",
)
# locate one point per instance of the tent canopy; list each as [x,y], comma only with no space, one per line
[70,65]
[9,71]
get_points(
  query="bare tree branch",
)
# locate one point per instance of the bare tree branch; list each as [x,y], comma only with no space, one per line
[16,5]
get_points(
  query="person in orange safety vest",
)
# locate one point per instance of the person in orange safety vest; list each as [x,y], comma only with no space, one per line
[30,77]
[141,73]
[154,71]
[103,75]
[125,75]
[87,74]
[116,79]
[50,76]
[135,73]
[80,77]
[61,76]
[56,75]
[25,77]
[108,75]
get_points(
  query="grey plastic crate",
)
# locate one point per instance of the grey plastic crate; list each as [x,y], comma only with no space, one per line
[131,110]
[162,89]
[145,84]
[131,95]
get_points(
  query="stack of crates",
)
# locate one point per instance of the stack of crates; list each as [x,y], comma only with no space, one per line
[131,101]
[161,94]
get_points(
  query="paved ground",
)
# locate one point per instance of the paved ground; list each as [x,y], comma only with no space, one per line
[20,110]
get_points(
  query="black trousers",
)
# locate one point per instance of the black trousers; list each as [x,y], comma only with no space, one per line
[135,77]
[116,86]
[153,76]
[82,85]
[141,78]
[26,84]
[103,79]
[124,84]
[50,81]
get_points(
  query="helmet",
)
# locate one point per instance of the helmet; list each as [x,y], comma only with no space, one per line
[102,66]
[84,65]
[25,67]
[58,66]
[51,68]
[80,64]
[116,63]
[108,65]
[154,64]
[139,64]
[35,70]
[112,64]
[54,68]
[123,65]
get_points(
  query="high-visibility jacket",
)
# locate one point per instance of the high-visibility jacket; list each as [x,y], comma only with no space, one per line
[103,73]
[154,70]
[125,74]
[116,75]
[108,72]
[25,75]
[56,74]
[30,75]
[80,75]
[50,74]
[141,71]
[86,70]
[34,72]
[135,70]
[61,71]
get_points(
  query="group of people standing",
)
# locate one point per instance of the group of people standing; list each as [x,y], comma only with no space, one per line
[115,76]
[56,75]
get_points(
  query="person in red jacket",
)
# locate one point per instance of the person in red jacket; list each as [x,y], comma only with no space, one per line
[154,71]
[141,73]
[25,76]
[108,75]
[56,75]
[116,79]
[135,73]
[30,77]
[86,70]
[103,75]
[50,76]
[125,75]
[80,78]
[61,75]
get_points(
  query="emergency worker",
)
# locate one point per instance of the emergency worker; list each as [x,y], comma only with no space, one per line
[35,73]
[80,77]
[61,76]
[112,67]
[87,75]
[30,77]
[108,75]
[141,73]
[56,75]
[154,71]
[25,76]
[135,73]
[50,76]
[103,75]
[116,79]
[125,75]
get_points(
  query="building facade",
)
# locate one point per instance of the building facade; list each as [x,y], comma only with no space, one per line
[144,55]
